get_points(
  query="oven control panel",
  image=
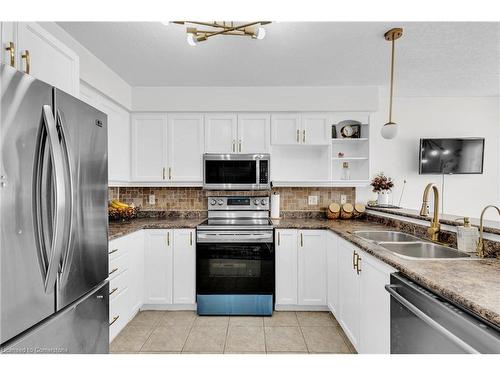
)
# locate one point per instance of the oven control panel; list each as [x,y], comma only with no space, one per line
[238,203]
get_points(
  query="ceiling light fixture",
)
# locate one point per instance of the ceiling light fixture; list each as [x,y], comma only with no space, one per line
[390,129]
[250,29]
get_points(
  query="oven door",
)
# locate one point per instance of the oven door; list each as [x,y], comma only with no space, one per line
[235,268]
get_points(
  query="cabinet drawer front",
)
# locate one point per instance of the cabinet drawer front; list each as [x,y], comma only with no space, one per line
[118,315]
[118,284]
[118,265]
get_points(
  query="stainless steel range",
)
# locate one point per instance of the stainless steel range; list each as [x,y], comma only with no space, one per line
[235,257]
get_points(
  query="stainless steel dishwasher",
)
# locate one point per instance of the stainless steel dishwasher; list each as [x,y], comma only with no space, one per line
[424,323]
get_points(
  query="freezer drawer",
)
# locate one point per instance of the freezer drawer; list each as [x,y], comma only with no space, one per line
[82,327]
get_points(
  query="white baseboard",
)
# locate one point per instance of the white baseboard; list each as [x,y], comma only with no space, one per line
[170,307]
[300,308]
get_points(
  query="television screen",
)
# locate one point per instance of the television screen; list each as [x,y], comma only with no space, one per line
[451,155]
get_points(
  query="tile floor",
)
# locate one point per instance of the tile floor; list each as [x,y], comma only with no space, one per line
[185,332]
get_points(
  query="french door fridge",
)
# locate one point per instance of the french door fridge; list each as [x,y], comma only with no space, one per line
[53,220]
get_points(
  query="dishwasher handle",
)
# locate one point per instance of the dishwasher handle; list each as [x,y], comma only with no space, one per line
[391,288]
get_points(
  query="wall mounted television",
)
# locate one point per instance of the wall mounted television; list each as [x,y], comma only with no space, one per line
[451,156]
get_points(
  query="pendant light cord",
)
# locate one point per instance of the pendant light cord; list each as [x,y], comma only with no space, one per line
[392,81]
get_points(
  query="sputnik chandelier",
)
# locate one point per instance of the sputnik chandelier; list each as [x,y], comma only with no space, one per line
[195,35]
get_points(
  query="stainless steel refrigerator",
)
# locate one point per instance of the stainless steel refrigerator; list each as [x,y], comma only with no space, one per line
[53,220]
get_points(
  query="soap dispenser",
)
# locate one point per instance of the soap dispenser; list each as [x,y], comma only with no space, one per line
[467,236]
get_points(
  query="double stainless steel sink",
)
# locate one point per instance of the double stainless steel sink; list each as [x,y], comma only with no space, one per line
[408,246]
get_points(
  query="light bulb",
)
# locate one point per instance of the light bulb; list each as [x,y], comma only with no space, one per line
[191,39]
[260,33]
[389,130]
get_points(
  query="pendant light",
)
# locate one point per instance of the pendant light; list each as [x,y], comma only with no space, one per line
[390,128]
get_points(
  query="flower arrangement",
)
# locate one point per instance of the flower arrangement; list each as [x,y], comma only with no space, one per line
[382,183]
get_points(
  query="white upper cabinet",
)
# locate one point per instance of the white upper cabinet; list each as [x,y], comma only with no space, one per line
[43,56]
[254,133]
[158,267]
[149,151]
[285,129]
[118,134]
[286,267]
[185,147]
[312,279]
[184,266]
[221,133]
[316,128]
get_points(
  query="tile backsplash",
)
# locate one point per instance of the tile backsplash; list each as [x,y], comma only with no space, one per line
[194,199]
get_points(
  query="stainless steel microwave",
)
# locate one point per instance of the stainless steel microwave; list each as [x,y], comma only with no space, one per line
[236,171]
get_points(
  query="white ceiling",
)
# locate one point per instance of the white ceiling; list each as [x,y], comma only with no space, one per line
[432,59]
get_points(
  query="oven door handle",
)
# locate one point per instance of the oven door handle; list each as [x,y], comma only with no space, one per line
[391,288]
[234,237]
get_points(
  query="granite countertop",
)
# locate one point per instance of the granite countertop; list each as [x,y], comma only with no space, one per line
[489,226]
[119,229]
[471,283]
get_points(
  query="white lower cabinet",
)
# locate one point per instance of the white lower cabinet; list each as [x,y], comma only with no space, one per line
[332,274]
[184,266]
[170,268]
[286,267]
[349,307]
[152,269]
[300,269]
[363,305]
[312,278]
[158,256]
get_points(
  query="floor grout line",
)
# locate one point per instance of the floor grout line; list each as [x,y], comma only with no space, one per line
[189,333]
[227,333]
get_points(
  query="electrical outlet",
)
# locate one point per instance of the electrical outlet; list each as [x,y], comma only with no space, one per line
[312,200]
[343,198]
[152,199]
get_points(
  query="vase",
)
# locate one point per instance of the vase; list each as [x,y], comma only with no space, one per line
[383,198]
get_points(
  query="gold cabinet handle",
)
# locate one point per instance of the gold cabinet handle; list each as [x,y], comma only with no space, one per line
[354,257]
[304,136]
[113,271]
[12,53]
[234,146]
[169,173]
[279,238]
[358,263]
[115,318]
[168,238]
[298,135]
[163,173]
[26,57]
[239,145]
[113,290]
[301,240]
[112,251]
[190,238]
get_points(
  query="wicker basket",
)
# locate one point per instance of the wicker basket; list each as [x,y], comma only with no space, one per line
[347,211]
[333,211]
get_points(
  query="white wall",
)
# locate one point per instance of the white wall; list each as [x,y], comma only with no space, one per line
[93,71]
[206,99]
[438,117]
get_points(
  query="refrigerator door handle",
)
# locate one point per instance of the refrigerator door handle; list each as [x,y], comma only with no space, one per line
[66,257]
[58,233]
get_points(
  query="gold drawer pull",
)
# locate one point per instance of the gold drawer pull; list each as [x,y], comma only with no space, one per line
[358,263]
[112,251]
[115,318]
[26,56]
[113,271]
[12,53]
[113,290]
[190,238]
[298,135]
[354,262]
